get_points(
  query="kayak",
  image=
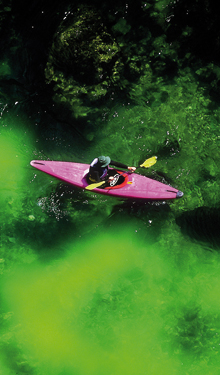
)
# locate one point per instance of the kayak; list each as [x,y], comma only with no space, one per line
[124,185]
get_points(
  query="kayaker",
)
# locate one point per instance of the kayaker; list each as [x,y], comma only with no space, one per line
[98,170]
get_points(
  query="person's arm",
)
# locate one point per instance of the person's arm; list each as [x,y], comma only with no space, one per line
[93,173]
[94,162]
[121,165]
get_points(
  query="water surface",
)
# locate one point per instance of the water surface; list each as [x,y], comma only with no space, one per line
[95,285]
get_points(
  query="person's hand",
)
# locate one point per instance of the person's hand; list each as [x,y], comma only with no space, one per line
[132,169]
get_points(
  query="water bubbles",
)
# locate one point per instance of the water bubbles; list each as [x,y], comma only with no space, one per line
[52,206]
[66,15]
[41,201]
[2,110]
[168,19]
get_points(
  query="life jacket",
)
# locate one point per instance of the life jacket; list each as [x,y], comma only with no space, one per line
[96,171]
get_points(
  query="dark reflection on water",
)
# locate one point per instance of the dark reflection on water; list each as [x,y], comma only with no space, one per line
[202,224]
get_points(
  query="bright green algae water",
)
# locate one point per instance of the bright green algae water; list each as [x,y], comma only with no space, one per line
[115,306]
[93,285]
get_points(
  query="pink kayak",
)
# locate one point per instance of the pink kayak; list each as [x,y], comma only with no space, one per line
[125,184]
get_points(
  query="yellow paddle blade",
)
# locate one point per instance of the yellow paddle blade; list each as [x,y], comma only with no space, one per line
[93,186]
[149,162]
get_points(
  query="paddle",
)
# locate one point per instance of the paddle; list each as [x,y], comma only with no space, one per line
[146,164]
[95,185]
[149,162]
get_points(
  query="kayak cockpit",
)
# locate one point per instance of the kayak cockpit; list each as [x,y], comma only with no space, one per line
[119,181]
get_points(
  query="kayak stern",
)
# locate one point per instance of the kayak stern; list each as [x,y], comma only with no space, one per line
[179,194]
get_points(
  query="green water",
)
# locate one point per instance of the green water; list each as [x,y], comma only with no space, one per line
[91,284]
[95,286]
